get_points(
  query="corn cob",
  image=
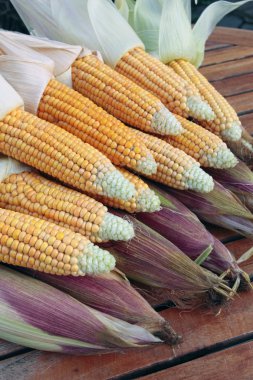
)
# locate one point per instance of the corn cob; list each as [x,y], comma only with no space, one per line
[161,80]
[29,193]
[207,148]
[104,86]
[38,244]
[145,199]
[121,97]
[81,117]
[174,167]
[37,315]
[226,123]
[56,152]
[61,105]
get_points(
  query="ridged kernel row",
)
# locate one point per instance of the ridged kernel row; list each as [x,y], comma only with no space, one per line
[81,117]
[29,193]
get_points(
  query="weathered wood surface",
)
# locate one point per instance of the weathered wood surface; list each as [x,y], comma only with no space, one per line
[208,350]
[227,363]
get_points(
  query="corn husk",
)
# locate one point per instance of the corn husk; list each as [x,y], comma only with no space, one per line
[239,180]
[39,316]
[112,294]
[151,260]
[220,207]
[183,228]
[84,22]
[165,26]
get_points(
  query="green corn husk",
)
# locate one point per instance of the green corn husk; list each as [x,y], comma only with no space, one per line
[180,226]
[151,260]
[220,207]
[113,294]
[39,316]
[239,180]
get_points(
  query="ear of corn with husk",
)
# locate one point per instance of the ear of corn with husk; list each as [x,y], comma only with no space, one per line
[239,180]
[54,151]
[36,315]
[154,261]
[58,104]
[112,294]
[87,74]
[23,190]
[119,46]
[35,243]
[180,226]
[220,207]
[184,49]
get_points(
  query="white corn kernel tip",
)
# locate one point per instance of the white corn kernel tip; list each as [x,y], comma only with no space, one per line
[165,123]
[222,158]
[95,260]
[233,133]
[147,166]
[199,109]
[115,185]
[115,228]
[148,201]
[196,179]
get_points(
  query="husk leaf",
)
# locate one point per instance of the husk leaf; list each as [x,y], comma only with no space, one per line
[170,25]
[84,22]
[27,71]
[40,308]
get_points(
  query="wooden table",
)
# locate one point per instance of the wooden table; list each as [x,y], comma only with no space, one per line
[214,347]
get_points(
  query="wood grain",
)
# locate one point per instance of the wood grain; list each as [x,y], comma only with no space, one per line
[242,103]
[228,69]
[247,122]
[200,329]
[227,54]
[235,85]
[229,364]
[232,36]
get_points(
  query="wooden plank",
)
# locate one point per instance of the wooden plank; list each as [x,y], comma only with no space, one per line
[232,36]
[200,328]
[247,122]
[232,53]
[212,45]
[235,85]
[242,103]
[235,362]
[228,69]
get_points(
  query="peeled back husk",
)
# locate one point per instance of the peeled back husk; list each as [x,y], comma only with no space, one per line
[183,228]
[36,315]
[113,294]
[151,260]
[220,207]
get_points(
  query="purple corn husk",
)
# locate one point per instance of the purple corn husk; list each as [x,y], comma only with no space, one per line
[183,228]
[154,261]
[239,180]
[220,207]
[112,294]
[39,316]
[178,224]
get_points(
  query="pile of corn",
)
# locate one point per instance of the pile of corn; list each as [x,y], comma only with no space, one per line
[75,137]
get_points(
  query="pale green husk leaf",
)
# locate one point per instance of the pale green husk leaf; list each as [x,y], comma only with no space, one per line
[95,24]
[165,28]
